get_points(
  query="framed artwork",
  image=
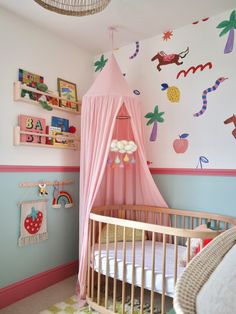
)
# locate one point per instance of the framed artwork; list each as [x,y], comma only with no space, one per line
[29,78]
[67,91]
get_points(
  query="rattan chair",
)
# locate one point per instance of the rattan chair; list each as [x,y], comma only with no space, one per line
[199,270]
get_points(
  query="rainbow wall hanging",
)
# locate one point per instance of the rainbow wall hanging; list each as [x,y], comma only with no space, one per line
[63,198]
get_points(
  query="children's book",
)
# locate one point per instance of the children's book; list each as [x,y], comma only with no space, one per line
[50,130]
[34,125]
[61,123]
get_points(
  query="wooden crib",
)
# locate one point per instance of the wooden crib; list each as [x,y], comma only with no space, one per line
[152,262]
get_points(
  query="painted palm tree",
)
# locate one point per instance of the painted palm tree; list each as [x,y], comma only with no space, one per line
[154,117]
[99,64]
[229,26]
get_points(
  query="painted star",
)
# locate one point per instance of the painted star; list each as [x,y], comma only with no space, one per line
[167,35]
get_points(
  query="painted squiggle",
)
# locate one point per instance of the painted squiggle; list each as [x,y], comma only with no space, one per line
[136,50]
[204,95]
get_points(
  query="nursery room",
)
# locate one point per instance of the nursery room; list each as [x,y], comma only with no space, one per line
[118,156]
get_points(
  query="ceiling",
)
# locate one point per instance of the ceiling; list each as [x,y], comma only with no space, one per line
[134,20]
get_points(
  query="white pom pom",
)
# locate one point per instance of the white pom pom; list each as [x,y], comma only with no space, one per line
[120,145]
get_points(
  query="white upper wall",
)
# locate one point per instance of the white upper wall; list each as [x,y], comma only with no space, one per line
[26,46]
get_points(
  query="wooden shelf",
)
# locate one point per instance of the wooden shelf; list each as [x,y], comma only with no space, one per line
[18,87]
[68,136]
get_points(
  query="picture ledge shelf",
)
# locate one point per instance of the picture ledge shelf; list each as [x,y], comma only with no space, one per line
[68,136]
[18,87]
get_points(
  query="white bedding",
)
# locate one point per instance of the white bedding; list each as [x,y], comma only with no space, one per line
[138,262]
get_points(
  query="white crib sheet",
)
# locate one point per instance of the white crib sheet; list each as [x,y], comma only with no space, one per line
[169,277]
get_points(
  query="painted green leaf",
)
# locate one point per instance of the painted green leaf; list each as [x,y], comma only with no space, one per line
[149,115]
[226,30]
[223,24]
[160,119]
[151,121]
[156,110]
[232,16]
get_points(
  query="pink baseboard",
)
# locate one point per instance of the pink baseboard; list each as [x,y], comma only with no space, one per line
[28,286]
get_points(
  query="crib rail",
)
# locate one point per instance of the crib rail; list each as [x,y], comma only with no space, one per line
[138,218]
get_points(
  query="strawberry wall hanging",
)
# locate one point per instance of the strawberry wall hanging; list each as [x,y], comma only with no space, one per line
[33,224]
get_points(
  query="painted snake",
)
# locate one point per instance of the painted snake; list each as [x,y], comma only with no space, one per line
[204,95]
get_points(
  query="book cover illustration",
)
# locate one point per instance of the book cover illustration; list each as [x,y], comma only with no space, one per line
[61,123]
[34,125]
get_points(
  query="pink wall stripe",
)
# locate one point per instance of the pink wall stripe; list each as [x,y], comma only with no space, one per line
[19,168]
[28,286]
[194,172]
[173,171]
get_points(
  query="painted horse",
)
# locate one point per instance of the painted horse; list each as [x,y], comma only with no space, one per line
[232,119]
[164,59]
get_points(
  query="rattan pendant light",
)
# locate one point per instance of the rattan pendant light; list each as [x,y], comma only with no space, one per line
[74,7]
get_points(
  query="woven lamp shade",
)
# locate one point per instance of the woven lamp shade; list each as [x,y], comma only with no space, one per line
[74,7]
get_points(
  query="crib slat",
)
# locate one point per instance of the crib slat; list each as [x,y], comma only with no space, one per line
[115,269]
[175,259]
[93,244]
[124,270]
[99,262]
[163,275]
[107,267]
[133,271]
[188,250]
[153,273]
[142,280]
[89,257]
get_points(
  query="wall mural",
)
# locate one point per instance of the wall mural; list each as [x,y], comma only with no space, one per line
[165,59]
[173,92]
[190,137]
[154,117]
[99,64]
[228,27]
[194,69]
[204,95]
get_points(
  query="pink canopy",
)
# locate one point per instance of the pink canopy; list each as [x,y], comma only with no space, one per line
[100,182]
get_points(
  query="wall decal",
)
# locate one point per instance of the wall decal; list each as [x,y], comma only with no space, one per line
[167,35]
[173,92]
[203,20]
[232,119]
[204,95]
[228,26]
[202,160]
[136,50]
[180,144]
[136,92]
[200,67]
[165,59]
[154,117]
[99,64]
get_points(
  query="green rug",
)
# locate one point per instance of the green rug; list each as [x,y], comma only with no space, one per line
[71,306]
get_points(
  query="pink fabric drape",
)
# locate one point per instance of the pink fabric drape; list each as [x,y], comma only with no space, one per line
[100,107]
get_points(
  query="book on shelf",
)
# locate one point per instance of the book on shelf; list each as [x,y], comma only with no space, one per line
[34,125]
[61,123]
[63,139]
[50,130]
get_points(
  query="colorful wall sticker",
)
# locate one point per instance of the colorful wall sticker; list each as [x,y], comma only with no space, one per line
[200,67]
[136,92]
[203,20]
[167,35]
[173,92]
[180,144]
[165,59]
[202,160]
[229,26]
[154,117]
[136,51]
[232,119]
[204,95]
[99,64]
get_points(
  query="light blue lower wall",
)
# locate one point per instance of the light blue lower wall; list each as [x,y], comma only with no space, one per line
[17,263]
[201,193]
[205,193]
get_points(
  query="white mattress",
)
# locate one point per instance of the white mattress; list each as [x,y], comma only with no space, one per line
[169,277]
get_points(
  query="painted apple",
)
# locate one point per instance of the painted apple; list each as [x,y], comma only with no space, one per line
[180,144]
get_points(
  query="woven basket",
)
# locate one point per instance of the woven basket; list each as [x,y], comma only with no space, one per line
[199,270]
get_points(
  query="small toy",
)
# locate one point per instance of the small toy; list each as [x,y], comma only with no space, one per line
[44,103]
[42,189]
[72,129]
